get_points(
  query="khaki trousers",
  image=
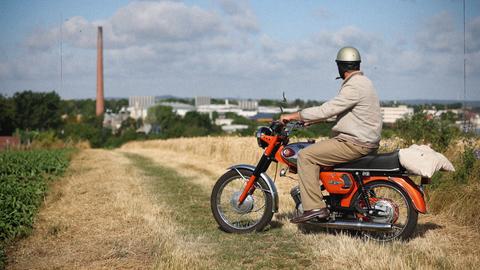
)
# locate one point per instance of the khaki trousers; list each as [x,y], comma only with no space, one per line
[324,153]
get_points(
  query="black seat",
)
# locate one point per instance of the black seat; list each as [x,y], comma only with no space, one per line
[374,162]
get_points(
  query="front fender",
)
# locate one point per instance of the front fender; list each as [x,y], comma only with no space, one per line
[408,186]
[271,185]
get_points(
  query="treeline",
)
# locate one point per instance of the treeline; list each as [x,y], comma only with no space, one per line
[46,117]
[42,111]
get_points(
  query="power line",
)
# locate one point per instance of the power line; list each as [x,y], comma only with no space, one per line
[465,128]
[61,53]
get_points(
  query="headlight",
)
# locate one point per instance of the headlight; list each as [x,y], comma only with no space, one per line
[262,131]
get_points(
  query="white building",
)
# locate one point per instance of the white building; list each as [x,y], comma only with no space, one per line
[223,121]
[179,108]
[220,108]
[250,105]
[276,110]
[141,101]
[200,101]
[138,106]
[391,114]
[233,128]
[137,113]
[114,120]
[438,113]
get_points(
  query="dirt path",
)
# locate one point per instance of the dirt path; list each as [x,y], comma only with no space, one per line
[149,208]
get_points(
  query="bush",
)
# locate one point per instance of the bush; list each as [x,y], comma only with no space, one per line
[419,129]
[456,193]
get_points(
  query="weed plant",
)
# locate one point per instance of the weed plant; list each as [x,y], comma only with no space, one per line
[456,193]
[24,177]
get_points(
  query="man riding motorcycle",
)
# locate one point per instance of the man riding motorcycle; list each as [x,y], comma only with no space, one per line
[356,133]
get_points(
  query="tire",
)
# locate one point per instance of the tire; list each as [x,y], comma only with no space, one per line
[224,211]
[409,209]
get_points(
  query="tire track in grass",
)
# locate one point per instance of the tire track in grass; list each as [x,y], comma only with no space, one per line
[273,248]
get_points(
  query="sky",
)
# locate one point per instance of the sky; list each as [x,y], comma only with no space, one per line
[410,49]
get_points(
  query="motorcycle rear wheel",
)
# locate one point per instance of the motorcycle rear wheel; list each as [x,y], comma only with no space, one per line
[390,195]
[253,215]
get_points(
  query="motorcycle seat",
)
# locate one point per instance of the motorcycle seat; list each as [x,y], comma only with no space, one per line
[386,162]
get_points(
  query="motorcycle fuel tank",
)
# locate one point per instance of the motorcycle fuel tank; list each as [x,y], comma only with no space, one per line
[290,152]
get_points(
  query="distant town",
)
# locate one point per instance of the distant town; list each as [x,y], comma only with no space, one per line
[251,109]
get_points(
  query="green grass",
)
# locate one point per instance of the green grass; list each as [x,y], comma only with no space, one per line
[191,208]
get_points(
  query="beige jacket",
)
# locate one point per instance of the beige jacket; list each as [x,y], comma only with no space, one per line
[357,107]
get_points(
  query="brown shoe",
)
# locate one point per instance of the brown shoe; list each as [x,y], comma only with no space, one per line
[307,215]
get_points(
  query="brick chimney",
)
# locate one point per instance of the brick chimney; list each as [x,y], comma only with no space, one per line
[100,108]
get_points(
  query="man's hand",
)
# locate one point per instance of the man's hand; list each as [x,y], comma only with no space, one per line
[290,117]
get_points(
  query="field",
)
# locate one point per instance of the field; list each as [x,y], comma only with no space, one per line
[24,178]
[146,206]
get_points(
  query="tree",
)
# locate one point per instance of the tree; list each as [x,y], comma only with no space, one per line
[162,116]
[7,116]
[198,124]
[116,104]
[37,110]
[85,107]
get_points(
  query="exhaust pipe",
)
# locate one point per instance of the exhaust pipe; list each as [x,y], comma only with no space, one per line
[354,225]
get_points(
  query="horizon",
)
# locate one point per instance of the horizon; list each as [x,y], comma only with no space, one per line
[431,100]
[446,101]
[411,50]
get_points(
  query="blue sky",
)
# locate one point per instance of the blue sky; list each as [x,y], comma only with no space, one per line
[244,49]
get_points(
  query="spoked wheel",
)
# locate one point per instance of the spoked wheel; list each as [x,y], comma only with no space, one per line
[392,205]
[253,214]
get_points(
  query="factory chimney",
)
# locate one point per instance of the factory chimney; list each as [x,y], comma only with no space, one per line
[100,97]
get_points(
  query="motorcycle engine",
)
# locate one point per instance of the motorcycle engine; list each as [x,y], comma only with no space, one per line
[295,193]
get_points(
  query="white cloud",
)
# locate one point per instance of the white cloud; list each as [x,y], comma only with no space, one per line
[439,35]
[154,21]
[473,35]
[322,13]
[240,15]
[166,45]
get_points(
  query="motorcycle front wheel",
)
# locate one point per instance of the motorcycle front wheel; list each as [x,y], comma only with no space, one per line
[253,214]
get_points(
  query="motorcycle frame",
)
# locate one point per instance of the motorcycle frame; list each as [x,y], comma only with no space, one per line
[272,153]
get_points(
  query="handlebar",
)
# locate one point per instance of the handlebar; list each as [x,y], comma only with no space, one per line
[286,128]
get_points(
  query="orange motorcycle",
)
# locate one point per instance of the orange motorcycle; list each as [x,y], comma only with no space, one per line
[373,194]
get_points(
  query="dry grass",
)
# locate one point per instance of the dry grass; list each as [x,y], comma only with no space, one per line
[108,213]
[206,158]
[438,243]
[102,216]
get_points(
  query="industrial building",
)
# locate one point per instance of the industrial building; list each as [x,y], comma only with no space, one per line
[391,114]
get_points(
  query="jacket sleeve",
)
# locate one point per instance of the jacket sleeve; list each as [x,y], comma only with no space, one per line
[346,99]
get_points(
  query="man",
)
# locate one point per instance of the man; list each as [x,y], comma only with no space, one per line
[356,133]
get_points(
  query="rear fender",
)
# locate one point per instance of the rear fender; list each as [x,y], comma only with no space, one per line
[408,186]
[272,189]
